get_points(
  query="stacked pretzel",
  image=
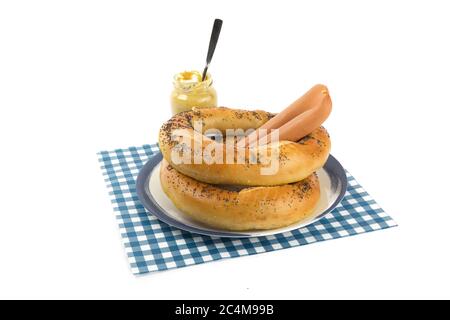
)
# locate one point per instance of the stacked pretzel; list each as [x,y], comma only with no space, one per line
[242,193]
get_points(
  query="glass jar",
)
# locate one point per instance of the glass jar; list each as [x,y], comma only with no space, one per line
[190,91]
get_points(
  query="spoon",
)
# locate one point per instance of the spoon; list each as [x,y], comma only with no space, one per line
[212,44]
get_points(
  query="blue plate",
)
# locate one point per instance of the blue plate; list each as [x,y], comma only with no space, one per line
[333,184]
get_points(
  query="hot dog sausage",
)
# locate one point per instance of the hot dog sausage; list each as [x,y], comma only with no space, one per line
[299,119]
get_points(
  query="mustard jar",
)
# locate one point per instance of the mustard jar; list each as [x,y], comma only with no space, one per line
[190,91]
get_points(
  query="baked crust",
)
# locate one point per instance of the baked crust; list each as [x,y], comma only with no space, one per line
[297,160]
[239,209]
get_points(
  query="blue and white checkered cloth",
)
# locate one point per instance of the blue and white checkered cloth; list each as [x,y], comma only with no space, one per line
[152,245]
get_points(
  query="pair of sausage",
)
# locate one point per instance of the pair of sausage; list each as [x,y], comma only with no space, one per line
[299,119]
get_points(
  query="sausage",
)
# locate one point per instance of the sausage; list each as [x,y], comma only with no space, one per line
[300,118]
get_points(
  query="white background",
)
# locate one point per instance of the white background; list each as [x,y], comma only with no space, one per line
[77,77]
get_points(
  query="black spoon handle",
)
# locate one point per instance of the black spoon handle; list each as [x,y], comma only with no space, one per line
[212,44]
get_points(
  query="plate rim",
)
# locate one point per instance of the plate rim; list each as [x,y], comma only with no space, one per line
[152,206]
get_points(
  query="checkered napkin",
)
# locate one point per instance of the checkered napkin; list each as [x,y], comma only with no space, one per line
[152,245]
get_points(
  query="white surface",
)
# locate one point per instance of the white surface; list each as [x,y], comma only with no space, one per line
[327,198]
[80,76]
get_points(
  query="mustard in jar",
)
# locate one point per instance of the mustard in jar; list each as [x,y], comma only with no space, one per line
[190,91]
